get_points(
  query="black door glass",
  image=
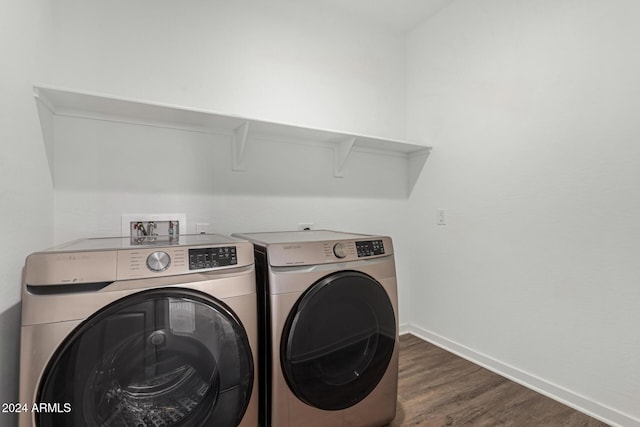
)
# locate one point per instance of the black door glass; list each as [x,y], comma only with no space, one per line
[158,358]
[338,340]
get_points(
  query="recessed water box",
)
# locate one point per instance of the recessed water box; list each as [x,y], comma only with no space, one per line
[153,228]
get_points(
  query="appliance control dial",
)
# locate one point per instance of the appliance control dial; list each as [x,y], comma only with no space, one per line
[158,261]
[340,250]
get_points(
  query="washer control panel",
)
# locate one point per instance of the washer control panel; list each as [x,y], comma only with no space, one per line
[168,261]
[105,260]
[200,258]
[370,248]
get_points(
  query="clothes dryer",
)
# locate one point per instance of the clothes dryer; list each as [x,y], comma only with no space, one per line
[329,328]
[120,334]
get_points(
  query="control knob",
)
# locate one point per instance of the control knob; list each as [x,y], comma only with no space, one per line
[158,261]
[340,250]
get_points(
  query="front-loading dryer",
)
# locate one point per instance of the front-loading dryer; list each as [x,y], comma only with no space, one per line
[120,334]
[329,328]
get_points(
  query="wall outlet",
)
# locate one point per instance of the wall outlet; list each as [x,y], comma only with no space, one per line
[203,228]
[305,226]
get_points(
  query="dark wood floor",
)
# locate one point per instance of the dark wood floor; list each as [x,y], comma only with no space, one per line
[438,388]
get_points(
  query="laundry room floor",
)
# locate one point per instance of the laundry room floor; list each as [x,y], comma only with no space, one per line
[438,388]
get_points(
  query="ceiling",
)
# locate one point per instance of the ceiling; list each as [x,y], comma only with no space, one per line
[400,15]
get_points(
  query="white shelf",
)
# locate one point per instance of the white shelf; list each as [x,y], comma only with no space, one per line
[52,102]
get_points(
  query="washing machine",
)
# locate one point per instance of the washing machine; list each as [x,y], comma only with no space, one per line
[116,333]
[328,328]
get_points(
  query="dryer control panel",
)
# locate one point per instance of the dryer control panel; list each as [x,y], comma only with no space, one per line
[324,252]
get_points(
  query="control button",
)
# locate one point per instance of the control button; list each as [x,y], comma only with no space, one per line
[340,250]
[158,261]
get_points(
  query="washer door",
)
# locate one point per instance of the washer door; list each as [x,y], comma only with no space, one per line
[338,340]
[167,357]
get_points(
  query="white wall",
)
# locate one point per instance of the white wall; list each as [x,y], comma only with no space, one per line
[281,60]
[26,196]
[533,109]
[286,61]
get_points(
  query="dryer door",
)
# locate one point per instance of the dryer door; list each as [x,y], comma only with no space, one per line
[158,358]
[338,340]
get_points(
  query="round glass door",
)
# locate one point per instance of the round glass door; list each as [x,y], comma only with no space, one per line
[338,340]
[159,358]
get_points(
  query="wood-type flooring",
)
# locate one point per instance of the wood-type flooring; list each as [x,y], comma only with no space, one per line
[437,388]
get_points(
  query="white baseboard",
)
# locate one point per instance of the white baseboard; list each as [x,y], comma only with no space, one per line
[560,394]
[403,328]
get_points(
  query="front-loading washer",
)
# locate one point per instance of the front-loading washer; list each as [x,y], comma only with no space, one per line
[328,328]
[120,334]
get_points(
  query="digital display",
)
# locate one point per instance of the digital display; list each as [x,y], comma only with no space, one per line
[370,248]
[212,257]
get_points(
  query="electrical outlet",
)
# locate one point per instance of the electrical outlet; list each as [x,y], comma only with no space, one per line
[305,226]
[202,227]
[442,218]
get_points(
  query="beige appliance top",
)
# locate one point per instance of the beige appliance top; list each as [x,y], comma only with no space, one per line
[119,258]
[106,243]
[310,247]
